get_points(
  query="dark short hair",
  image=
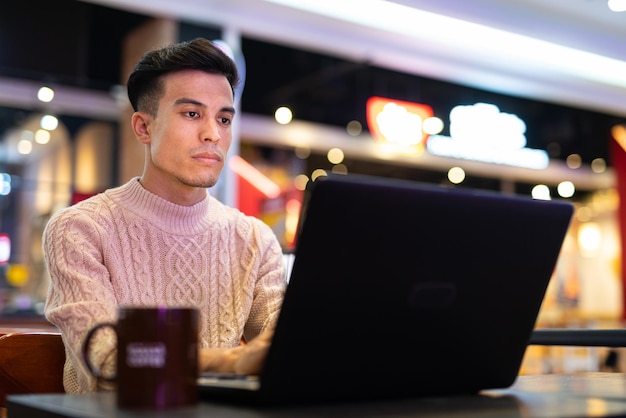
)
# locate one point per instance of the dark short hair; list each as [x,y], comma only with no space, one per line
[144,84]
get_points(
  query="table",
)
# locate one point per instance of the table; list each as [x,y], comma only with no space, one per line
[587,394]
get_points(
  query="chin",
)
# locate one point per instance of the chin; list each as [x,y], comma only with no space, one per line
[200,182]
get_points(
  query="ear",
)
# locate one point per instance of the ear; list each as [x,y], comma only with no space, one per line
[140,122]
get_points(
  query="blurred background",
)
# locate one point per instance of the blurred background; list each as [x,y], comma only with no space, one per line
[514,96]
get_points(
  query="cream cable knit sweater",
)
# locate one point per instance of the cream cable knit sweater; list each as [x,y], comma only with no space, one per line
[129,246]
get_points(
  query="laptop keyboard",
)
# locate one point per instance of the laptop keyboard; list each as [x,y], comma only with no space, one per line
[230,380]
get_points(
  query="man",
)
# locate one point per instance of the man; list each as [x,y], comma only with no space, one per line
[161,239]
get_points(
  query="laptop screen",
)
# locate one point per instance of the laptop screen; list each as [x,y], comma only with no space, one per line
[405,289]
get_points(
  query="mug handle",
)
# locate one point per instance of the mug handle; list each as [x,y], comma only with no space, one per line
[97,373]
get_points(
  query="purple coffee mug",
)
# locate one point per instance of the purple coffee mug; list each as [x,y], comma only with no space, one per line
[157,356]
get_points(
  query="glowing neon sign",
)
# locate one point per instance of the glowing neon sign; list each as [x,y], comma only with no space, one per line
[481,132]
[478,132]
[398,122]
[5,248]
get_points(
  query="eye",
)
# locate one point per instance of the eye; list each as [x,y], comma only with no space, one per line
[193,114]
[225,121]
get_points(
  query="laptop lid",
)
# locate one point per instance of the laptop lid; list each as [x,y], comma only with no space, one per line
[405,289]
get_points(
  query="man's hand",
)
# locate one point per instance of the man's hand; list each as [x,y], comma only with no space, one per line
[245,359]
[253,354]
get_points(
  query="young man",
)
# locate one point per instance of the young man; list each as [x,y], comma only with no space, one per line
[161,239]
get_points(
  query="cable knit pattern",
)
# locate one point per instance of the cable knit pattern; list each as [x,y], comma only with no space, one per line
[127,246]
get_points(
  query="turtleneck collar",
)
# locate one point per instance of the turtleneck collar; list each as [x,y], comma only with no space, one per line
[168,216]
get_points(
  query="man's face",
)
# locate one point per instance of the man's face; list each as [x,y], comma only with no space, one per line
[191,133]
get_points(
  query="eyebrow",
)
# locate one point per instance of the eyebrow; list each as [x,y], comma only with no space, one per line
[186,100]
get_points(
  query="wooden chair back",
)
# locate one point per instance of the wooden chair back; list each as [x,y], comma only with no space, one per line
[31,362]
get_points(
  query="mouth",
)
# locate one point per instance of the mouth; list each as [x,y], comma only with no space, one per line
[208,157]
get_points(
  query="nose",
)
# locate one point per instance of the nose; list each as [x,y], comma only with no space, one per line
[211,132]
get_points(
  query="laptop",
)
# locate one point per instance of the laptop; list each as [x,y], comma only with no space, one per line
[404,289]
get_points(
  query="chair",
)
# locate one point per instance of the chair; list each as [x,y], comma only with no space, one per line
[31,362]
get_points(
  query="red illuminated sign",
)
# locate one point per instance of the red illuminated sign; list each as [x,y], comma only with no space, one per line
[397,121]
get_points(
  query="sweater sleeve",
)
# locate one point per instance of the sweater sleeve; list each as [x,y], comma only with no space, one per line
[80,294]
[270,283]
